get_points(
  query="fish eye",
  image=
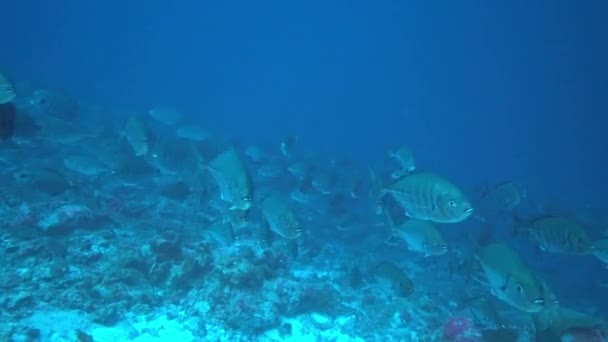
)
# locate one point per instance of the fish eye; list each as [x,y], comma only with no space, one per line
[520,289]
[452,204]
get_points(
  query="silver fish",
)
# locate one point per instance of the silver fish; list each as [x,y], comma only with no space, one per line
[281,219]
[193,132]
[7,90]
[422,237]
[233,179]
[510,280]
[166,115]
[558,235]
[85,164]
[426,196]
[136,134]
[405,158]
[395,276]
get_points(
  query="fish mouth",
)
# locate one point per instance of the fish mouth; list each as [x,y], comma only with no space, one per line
[296,234]
[469,210]
[242,205]
[539,301]
[442,251]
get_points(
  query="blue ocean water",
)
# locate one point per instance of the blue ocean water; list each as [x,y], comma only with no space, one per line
[481,92]
[524,80]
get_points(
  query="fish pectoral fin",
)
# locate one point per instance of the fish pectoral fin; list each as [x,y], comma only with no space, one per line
[408,213]
[399,173]
[391,241]
[480,281]
[504,286]
[434,209]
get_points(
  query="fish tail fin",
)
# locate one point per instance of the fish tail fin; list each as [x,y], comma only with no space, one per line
[518,225]
[390,240]
[467,269]
[377,191]
[482,238]
[399,173]
[480,218]
[389,223]
[388,219]
[484,191]
[374,182]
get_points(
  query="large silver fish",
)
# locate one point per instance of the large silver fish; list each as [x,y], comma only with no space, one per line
[220,232]
[136,134]
[506,195]
[233,179]
[510,280]
[422,237]
[570,325]
[558,235]
[426,196]
[55,103]
[395,276]
[281,219]
[85,164]
[43,180]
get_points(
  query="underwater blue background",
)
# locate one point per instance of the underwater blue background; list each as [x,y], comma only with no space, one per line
[481,91]
[508,90]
